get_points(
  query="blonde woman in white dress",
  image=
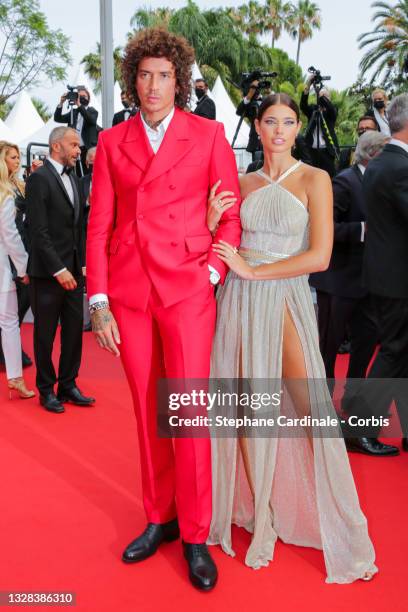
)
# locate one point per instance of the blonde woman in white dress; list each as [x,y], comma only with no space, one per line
[11,246]
[298,489]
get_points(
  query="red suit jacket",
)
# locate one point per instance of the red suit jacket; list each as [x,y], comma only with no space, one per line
[148,213]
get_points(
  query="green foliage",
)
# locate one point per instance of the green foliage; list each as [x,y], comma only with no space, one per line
[42,109]
[93,66]
[5,108]
[349,110]
[30,49]
[387,45]
[303,18]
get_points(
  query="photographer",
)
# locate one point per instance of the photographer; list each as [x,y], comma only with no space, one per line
[320,134]
[82,118]
[248,107]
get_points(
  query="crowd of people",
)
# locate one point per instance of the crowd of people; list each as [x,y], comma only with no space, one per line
[165,228]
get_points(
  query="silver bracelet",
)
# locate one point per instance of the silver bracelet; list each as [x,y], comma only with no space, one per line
[98,306]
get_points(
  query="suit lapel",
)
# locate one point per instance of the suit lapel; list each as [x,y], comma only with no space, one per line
[59,181]
[358,172]
[76,198]
[176,144]
[135,144]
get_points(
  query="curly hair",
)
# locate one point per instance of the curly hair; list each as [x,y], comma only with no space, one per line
[158,42]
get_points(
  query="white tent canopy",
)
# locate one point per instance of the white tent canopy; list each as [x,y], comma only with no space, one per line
[6,133]
[23,118]
[226,114]
[41,135]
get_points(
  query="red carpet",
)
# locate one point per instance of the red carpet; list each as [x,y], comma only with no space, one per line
[71,501]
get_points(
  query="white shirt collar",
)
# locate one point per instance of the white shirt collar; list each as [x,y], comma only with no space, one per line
[362,168]
[161,130]
[399,143]
[59,167]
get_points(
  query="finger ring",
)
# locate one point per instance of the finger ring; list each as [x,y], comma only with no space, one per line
[219,204]
[235,250]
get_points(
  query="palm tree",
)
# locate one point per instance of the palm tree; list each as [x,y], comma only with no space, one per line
[388,41]
[150,18]
[276,13]
[304,18]
[249,18]
[93,66]
[42,109]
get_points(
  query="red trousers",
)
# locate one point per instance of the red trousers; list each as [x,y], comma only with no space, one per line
[173,342]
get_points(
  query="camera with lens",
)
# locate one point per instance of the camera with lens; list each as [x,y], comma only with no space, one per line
[318,79]
[247,78]
[72,94]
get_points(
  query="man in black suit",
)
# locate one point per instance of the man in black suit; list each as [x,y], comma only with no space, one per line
[364,124]
[56,254]
[129,110]
[320,132]
[385,274]
[83,120]
[205,106]
[341,298]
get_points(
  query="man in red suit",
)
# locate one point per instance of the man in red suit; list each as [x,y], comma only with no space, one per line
[151,274]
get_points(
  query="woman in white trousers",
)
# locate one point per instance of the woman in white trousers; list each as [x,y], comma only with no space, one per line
[11,246]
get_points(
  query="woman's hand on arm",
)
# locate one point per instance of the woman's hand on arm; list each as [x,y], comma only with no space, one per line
[218,203]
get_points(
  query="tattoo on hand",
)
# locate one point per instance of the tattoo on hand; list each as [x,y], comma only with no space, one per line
[100,319]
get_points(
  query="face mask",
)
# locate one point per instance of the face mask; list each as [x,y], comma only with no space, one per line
[379,104]
[125,104]
[199,93]
[83,100]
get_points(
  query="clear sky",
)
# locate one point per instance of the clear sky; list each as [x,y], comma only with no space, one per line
[333,49]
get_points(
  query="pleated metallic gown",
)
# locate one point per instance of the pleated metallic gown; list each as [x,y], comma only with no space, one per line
[303,490]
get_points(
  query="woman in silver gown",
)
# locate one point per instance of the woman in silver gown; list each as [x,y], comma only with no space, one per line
[298,489]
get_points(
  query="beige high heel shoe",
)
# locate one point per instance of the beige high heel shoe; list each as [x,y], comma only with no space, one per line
[18,384]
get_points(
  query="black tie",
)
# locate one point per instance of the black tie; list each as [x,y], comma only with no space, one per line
[66,170]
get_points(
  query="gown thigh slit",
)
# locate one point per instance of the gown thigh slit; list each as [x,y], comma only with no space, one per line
[303,491]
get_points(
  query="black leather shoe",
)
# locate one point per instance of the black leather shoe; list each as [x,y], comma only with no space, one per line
[149,541]
[51,403]
[74,396]
[26,360]
[405,444]
[202,569]
[370,446]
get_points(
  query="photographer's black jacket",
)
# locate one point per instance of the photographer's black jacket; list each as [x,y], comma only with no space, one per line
[89,130]
[330,116]
[250,111]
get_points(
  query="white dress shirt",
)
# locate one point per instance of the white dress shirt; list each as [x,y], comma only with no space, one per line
[156,138]
[78,127]
[68,187]
[362,169]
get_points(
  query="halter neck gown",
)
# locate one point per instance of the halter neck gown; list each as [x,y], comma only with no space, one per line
[304,492]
